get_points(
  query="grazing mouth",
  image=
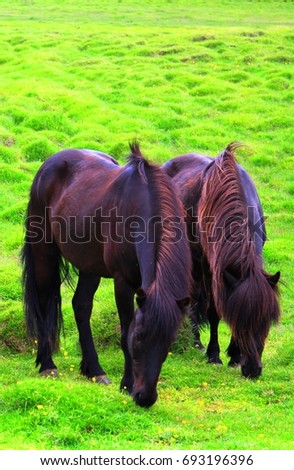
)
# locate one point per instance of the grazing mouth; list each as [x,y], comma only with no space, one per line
[145,400]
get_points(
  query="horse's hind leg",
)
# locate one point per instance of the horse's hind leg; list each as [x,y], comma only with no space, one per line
[196,329]
[213,348]
[47,306]
[124,296]
[234,353]
[198,312]
[82,304]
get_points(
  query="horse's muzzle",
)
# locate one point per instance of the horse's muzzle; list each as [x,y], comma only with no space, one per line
[251,372]
[144,398]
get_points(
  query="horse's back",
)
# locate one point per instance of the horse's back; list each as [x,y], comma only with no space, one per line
[99,155]
[193,164]
[188,172]
[66,167]
[66,162]
[186,162]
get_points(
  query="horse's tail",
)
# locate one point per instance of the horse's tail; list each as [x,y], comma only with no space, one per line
[245,296]
[43,270]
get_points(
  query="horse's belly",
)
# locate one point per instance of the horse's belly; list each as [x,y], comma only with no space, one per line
[86,257]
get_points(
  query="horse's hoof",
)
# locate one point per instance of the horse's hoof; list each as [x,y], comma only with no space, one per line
[100,379]
[49,373]
[216,362]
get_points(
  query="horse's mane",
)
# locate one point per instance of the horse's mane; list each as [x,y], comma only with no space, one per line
[240,287]
[173,260]
[136,159]
[223,217]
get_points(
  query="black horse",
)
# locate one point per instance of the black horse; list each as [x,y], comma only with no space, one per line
[226,230]
[109,221]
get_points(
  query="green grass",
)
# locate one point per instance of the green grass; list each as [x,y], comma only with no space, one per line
[180,76]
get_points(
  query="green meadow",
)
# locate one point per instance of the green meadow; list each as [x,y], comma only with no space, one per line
[180,76]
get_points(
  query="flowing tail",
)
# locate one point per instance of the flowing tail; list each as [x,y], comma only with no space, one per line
[43,270]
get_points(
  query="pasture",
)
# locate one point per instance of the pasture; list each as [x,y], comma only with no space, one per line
[179,76]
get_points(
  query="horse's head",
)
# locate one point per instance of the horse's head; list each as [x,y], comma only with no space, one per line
[252,306]
[148,346]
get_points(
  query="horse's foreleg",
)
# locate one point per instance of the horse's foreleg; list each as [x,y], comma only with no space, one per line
[213,348]
[234,353]
[82,304]
[124,296]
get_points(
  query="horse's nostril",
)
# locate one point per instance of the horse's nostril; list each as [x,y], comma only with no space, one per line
[138,397]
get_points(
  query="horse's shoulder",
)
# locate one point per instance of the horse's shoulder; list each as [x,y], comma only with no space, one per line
[248,187]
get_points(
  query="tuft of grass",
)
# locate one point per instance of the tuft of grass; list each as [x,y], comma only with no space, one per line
[39,149]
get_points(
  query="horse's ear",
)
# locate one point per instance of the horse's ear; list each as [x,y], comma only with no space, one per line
[230,279]
[183,303]
[274,279]
[141,297]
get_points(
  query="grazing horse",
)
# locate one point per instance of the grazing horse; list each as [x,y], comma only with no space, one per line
[110,221]
[226,232]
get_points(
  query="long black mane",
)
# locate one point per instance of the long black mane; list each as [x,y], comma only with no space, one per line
[228,244]
[173,260]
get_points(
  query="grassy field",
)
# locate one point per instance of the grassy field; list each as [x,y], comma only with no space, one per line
[180,76]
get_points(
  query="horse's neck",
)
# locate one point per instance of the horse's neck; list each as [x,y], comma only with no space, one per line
[146,256]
